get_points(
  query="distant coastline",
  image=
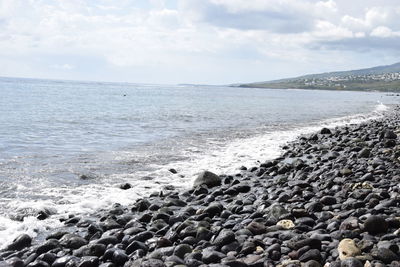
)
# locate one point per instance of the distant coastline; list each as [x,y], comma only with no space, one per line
[381,78]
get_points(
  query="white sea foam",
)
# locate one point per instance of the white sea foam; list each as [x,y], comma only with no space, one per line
[223,157]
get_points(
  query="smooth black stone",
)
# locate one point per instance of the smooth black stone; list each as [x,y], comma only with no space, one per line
[63,261]
[31,258]
[313,254]
[47,257]
[214,209]
[375,225]
[182,250]
[47,246]
[20,242]
[125,186]
[212,256]
[386,255]
[325,131]
[119,257]
[38,263]
[72,241]
[328,200]
[92,249]
[14,262]
[224,237]
[135,245]
[256,228]
[208,178]
[173,171]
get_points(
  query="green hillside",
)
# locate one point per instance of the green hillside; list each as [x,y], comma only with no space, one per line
[382,78]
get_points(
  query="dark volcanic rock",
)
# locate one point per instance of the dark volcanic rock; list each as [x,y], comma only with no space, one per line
[386,255]
[375,225]
[325,131]
[72,241]
[257,228]
[312,254]
[212,256]
[20,242]
[48,245]
[224,237]
[208,178]
[125,186]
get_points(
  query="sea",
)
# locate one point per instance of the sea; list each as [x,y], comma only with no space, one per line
[53,133]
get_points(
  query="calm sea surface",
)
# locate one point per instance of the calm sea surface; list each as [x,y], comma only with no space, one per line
[53,132]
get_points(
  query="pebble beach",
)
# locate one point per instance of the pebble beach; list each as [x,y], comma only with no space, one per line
[331,199]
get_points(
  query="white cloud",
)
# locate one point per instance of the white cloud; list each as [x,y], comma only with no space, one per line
[384,32]
[133,35]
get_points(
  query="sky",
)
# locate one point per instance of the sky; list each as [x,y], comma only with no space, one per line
[194,41]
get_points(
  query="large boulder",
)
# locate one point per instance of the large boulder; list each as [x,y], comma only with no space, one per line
[208,178]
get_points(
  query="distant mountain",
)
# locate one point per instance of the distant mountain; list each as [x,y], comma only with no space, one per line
[381,78]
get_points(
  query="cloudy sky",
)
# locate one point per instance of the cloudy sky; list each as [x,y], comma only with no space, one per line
[194,41]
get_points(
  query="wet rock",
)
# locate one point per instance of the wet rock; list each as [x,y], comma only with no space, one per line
[212,256]
[48,245]
[173,171]
[20,242]
[38,263]
[65,261]
[182,250]
[325,131]
[125,186]
[146,263]
[208,178]
[214,209]
[119,257]
[89,262]
[91,249]
[13,262]
[72,241]
[47,257]
[224,237]
[135,245]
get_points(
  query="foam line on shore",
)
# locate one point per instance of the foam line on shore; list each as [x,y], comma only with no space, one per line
[226,159]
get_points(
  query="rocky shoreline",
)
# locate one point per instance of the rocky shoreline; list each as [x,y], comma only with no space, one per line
[331,199]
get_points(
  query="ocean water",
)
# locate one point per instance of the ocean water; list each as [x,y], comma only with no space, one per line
[52,132]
